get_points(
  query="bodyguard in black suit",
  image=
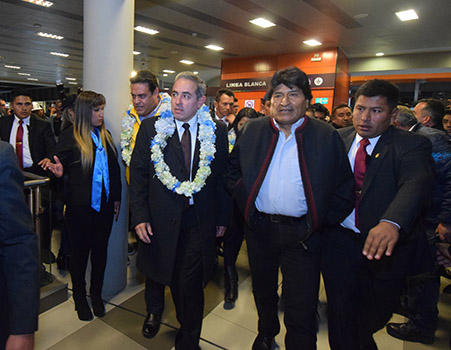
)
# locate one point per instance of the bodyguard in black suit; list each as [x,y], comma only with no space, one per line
[178,231]
[368,257]
[19,265]
[290,177]
[38,147]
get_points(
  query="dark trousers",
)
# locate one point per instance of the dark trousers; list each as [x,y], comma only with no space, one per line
[89,232]
[233,238]
[270,246]
[187,289]
[154,296]
[357,299]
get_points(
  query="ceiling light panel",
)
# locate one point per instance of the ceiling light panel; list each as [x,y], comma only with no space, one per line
[136,53]
[40,2]
[60,54]
[12,67]
[312,42]
[186,62]
[214,47]
[407,15]
[168,71]
[50,36]
[146,30]
[261,22]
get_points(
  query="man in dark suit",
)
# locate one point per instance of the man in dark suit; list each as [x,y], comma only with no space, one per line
[37,141]
[382,242]
[178,202]
[223,103]
[289,177]
[19,266]
[33,141]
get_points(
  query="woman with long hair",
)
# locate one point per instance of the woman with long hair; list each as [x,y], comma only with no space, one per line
[86,153]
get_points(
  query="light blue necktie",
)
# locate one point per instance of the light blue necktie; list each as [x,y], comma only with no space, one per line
[100,173]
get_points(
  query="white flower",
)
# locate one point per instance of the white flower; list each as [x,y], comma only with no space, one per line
[165,127]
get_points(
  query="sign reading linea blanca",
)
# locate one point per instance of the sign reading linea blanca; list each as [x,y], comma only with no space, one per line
[316,81]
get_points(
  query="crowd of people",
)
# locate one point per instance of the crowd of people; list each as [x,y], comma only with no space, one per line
[361,196]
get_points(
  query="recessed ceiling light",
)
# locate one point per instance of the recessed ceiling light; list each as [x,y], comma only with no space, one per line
[50,36]
[12,67]
[24,74]
[186,62]
[380,54]
[136,53]
[146,30]
[40,2]
[165,75]
[214,47]
[361,15]
[60,54]
[407,15]
[168,71]
[73,83]
[261,22]
[196,72]
[133,73]
[73,79]
[32,79]
[312,42]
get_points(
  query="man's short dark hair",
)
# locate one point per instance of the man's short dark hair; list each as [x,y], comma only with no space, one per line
[319,107]
[267,96]
[292,76]
[341,105]
[146,77]
[221,92]
[20,92]
[436,110]
[382,88]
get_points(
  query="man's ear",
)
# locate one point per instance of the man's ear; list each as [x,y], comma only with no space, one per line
[156,92]
[215,103]
[201,101]
[426,119]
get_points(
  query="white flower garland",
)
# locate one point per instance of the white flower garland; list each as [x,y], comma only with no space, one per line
[165,127]
[128,124]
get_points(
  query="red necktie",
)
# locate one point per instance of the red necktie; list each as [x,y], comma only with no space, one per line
[19,143]
[359,173]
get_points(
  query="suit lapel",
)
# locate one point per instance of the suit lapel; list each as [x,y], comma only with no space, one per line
[376,159]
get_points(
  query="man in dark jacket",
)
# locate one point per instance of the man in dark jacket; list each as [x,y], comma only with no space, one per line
[290,177]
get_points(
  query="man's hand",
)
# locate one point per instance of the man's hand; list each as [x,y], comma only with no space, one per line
[220,230]
[443,255]
[144,231]
[117,208]
[381,239]
[444,231]
[43,163]
[56,169]
[20,342]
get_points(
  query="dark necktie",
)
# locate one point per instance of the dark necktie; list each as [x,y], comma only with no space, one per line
[19,143]
[186,148]
[359,173]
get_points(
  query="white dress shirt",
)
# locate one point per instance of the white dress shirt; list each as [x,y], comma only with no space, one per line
[223,119]
[27,160]
[282,190]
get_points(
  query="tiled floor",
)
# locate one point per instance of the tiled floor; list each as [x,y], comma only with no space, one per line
[235,329]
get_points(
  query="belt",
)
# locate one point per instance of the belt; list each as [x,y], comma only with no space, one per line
[282,219]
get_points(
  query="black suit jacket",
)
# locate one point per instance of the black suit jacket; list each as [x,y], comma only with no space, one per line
[40,138]
[79,183]
[151,201]
[326,174]
[19,264]
[397,187]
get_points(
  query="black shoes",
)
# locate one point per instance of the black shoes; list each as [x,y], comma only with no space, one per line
[98,306]
[151,325]
[231,287]
[408,332]
[83,309]
[263,342]
[47,257]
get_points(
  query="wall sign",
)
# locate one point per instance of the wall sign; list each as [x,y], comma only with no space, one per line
[322,100]
[249,103]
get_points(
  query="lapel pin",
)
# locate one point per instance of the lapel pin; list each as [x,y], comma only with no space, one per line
[377,155]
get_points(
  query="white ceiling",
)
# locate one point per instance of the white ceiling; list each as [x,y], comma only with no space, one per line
[187,26]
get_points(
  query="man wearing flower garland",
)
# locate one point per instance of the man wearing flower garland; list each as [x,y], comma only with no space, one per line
[147,102]
[290,177]
[178,202]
